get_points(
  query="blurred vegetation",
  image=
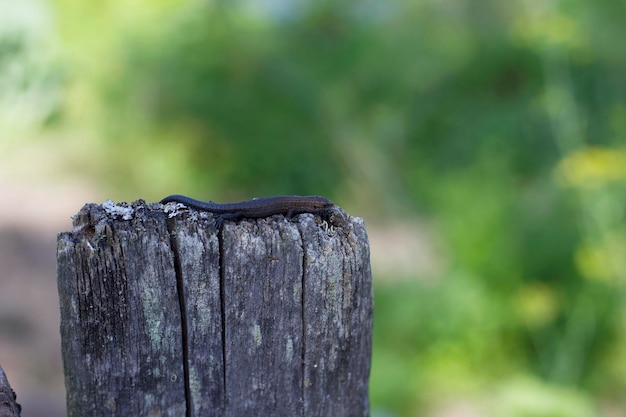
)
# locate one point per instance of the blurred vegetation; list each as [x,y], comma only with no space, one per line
[503,124]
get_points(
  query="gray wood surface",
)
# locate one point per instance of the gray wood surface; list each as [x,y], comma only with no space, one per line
[8,404]
[163,314]
[120,315]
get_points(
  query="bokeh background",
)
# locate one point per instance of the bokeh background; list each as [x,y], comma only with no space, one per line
[484,143]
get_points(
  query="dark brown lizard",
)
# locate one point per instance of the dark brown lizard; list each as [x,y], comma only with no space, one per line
[258,207]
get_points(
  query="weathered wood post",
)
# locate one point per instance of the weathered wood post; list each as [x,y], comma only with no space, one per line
[163,314]
[8,404]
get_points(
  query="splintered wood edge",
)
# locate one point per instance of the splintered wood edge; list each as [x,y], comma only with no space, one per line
[8,405]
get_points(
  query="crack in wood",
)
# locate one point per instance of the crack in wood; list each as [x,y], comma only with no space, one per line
[220,243]
[180,286]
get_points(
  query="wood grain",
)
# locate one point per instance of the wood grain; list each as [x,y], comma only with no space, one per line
[164,314]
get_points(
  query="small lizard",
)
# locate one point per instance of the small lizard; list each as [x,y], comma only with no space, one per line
[258,207]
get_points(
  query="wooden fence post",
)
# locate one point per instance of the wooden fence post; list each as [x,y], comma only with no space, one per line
[8,405]
[162,314]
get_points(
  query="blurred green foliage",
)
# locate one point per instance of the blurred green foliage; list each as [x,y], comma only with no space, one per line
[501,123]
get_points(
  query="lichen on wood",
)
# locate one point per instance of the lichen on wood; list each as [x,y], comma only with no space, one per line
[164,314]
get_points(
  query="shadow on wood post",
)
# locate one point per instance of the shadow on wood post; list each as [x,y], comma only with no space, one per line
[162,314]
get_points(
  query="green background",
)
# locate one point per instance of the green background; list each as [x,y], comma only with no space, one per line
[486,138]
